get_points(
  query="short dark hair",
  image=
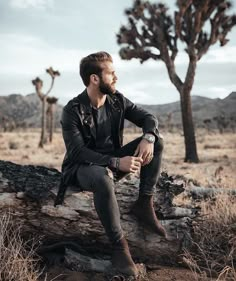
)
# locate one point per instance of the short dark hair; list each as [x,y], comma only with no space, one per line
[92,65]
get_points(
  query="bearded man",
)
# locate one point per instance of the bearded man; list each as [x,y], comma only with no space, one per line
[92,126]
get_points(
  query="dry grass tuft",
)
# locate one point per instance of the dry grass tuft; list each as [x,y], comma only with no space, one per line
[214,146]
[18,260]
[214,241]
[13,145]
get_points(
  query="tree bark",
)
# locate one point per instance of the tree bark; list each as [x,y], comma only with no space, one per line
[186,109]
[50,121]
[29,191]
[43,138]
[188,128]
[202,193]
[185,101]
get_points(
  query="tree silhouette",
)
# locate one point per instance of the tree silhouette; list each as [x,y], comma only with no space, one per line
[38,83]
[207,123]
[50,113]
[153,34]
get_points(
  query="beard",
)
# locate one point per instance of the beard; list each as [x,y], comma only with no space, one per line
[106,88]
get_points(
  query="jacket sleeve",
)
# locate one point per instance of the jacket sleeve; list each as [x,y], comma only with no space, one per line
[141,118]
[77,152]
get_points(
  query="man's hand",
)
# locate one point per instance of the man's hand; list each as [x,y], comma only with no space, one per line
[145,150]
[130,164]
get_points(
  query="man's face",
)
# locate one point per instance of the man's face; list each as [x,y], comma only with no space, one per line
[108,79]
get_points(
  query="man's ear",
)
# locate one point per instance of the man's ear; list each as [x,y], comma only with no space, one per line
[94,79]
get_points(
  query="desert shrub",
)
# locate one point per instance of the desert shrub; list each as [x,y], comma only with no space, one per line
[18,260]
[214,240]
[13,145]
[212,146]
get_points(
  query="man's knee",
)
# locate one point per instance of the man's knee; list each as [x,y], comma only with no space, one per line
[159,145]
[103,180]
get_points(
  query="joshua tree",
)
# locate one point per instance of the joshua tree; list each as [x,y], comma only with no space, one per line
[153,34]
[50,112]
[207,123]
[221,122]
[169,122]
[38,83]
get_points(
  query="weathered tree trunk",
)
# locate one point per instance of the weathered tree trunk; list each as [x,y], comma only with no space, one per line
[29,191]
[51,124]
[188,128]
[51,108]
[186,109]
[43,137]
[201,193]
[185,103]
[50,121]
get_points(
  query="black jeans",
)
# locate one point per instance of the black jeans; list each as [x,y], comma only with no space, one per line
[99,180]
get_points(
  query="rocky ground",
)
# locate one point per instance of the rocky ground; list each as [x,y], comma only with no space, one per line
[217,165]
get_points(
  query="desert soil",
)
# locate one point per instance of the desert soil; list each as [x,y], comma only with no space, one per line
[217,153]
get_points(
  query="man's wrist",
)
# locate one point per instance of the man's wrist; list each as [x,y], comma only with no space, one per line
[114,163]
[149,137]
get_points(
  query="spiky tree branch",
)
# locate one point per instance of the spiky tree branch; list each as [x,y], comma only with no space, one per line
[153,34]
[38,83]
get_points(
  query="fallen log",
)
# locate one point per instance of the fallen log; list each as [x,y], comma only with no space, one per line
[29,192]
[200,193]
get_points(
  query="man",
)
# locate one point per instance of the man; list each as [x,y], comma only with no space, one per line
[92,125]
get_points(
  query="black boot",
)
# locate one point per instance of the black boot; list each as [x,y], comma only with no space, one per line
[143,209]
[122,260]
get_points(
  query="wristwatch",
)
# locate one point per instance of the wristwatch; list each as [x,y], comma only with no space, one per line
[149,137]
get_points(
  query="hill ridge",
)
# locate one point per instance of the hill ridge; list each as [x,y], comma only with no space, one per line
[27,109]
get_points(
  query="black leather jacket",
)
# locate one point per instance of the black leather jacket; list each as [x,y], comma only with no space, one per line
[79,130]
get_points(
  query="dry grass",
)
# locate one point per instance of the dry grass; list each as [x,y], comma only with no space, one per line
[215,235]
[214,242]
[26,151]
[217,165]
[216,168]
[18,260]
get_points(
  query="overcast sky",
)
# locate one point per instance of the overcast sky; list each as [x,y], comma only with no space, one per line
[36,34]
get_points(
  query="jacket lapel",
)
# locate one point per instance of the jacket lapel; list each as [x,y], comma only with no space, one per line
[115,117]
[86,114]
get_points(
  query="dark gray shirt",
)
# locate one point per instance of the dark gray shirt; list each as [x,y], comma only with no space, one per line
[104,142]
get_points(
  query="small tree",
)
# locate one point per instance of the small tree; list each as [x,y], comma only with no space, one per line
[38,83]
[50,112]
[169,122]
[207,123]
[221,122]
[153,34]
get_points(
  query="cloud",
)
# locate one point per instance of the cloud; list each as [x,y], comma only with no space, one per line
[21,53]
[23,57]
[24,54]
[225,54]
[25,4]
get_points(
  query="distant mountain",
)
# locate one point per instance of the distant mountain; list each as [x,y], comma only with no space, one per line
[27,110]
[24,110]
[203,108]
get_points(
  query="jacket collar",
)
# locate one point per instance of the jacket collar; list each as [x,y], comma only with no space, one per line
[85,109]
[85,105]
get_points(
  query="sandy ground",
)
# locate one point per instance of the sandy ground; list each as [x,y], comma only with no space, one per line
[217,168]
[160,274]
[217,154]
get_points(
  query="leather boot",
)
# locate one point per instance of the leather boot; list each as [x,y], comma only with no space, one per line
[143,209]
[121,259]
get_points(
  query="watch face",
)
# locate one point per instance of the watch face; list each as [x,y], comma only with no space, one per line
[150,138]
